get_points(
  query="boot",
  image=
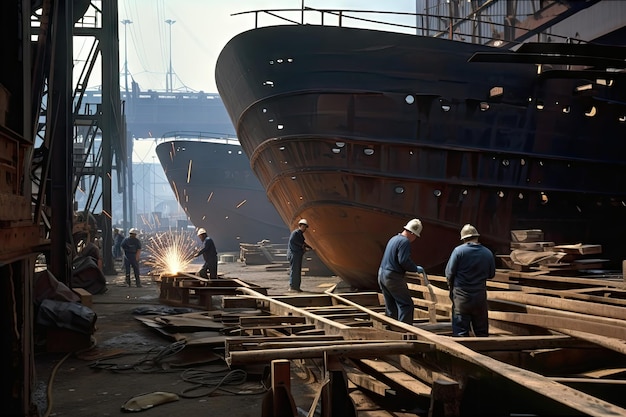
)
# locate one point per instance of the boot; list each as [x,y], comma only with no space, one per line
[128,281]
[137,282]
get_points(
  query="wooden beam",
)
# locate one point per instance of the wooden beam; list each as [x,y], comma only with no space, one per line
[355,350]
[554,322]
[537,383]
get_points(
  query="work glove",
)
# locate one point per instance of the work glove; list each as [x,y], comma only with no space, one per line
[420,269]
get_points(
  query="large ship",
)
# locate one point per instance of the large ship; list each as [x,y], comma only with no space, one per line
[359,130]
[213,183]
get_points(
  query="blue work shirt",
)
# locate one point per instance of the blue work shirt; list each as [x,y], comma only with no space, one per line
[470,266]
[131,245]
[397,255]
[297,242]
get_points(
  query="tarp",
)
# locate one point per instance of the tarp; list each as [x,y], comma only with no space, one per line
[66,315]
[88,276]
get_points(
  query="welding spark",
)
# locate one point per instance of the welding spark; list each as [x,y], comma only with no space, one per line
[171,252]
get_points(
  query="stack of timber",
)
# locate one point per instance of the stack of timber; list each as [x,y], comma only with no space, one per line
[529,251]
[275,257]
[557,347]
[190,290]
[262,253]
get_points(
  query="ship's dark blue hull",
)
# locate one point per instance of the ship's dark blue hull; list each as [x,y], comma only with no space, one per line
[360,130]
[214,184]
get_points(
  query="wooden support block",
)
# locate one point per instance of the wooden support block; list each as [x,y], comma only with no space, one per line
[278,401]
[446,396]
[86,298]
[530,235]
[239,302]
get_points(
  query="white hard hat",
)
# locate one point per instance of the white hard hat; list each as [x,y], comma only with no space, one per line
[133,231]
[414,226]
[469,231]
[303,221]
[201,231]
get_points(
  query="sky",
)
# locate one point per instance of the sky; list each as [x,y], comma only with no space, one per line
[200,29]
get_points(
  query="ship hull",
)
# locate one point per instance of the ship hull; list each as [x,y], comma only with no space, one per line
[359,131]
[216,188]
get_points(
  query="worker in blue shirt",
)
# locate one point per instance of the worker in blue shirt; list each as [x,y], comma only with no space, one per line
[209,254]
[470,266]
[131,246]
[395,262]
[295,252]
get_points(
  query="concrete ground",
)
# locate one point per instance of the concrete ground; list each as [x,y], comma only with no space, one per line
[92,383]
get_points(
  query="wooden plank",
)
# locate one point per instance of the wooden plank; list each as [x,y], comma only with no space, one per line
[611,343]
[366,407]
[578,306]
[537,383]
[529,235]
[580,249]
[367,382]
[516,343]
[260,321]
[555,323]
[386,371]
[238,302]
[355,350]
[533,246]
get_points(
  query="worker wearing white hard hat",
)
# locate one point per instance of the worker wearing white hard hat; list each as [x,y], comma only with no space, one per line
[396,261]
[131,246]
[470,266]
[209,254]
[295,253]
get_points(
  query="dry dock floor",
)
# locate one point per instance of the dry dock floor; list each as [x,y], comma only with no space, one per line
[89,385]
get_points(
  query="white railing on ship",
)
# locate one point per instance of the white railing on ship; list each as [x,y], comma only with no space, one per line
[199,136]
[489,22]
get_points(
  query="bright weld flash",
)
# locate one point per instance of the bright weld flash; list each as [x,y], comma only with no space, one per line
[171,252]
